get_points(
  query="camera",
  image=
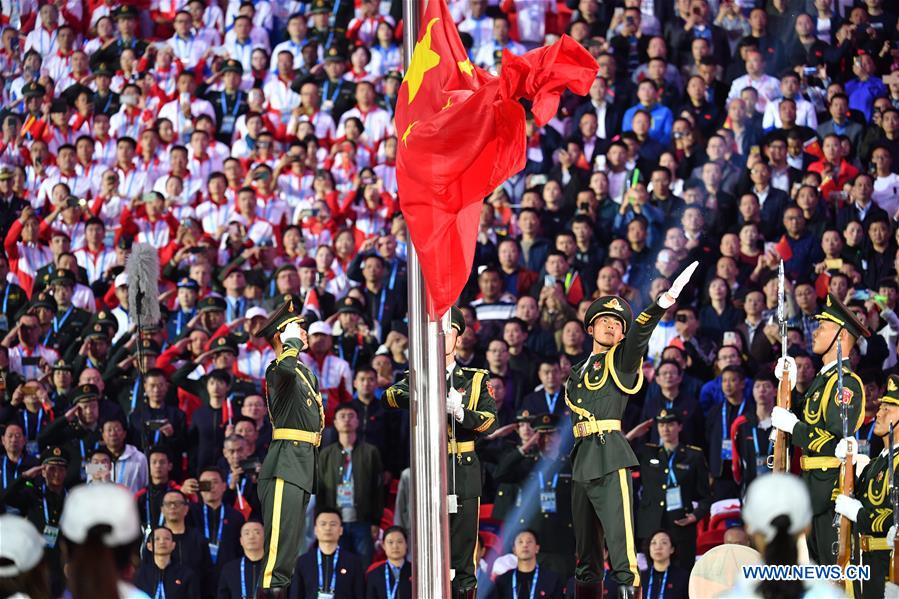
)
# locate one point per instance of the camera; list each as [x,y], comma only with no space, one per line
[250,465]
[809,71]
[204,486]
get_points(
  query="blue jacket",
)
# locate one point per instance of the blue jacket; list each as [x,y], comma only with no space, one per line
[659,126]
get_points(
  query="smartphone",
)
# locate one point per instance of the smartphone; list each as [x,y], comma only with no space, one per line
[730,338]
[538,179]
[308,212]
[861,294]
[204,486]
[31,360]
[156,424]
[549,281]
[95,469]
[809,71]
[250,465]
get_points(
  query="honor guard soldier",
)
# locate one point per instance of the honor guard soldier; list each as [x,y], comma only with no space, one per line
[675,478]
[871,511]
[819,427]
[597,392]
[472,410]
[288,474]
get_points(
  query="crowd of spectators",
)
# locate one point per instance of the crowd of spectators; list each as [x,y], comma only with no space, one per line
[252,144]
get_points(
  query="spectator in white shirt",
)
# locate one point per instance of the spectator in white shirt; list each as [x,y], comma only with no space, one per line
[43,39]
[188,48]
[377,121]
[183,111]
[805,112]
[129,466]
[767,87]
[479,26]
[490,55]
[241,46]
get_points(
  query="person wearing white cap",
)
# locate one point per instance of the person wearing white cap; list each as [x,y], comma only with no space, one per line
[120,312]
[100,538]
[776,511]
[23,571]
[335,377]
[256,354]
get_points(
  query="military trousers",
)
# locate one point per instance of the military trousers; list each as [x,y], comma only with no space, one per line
[463,543]
[283,510]
[602,512]
[879,561]
[821,539]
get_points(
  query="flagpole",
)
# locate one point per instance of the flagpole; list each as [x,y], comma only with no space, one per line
[427,386]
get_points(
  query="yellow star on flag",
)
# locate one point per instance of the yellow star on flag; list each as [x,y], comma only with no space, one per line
[423,60]
[466,67]
[449,103]
[408,131]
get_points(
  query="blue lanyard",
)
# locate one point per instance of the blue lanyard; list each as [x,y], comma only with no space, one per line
[355,354]
[755,441]
[533,582]
[218,540]
[243,578]
[14,470]
[551,401]
[327,87]
[149,513]
[108,102]
[179,322]
[661,588]
[333,571]
[725,433]
[672,478]
[225,105]
[382,301]
[5,298]
[160,590]
[543,481]
[393,270]
[391,592]
[37,429]
[134,389]
[46,510]
[57,323]
[870,432]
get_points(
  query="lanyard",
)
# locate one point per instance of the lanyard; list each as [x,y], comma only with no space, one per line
[5,298]
[672,478]
[46,509]
[230,314]
[224,103]
[533,583]
[551,401]
[333,571]
[37,429]
[179,322]
[391,592]
[870,432]
[218,539]
[393,270]
[160,588]
[336,93]
[149,514]
[725,434]
[543,482]
[134,390]
[108,102]
[661,587]
[243,578]
[755,441]
[347,467]
[58,324]
[382,301]
[355,354]
[15,469]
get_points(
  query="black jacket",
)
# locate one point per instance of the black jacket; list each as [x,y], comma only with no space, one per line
[178,582]
[350,581]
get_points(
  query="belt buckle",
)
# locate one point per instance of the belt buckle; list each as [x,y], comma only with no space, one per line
[581,428]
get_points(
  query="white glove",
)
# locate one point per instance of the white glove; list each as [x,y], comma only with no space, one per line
[783,419]
[291,331]
[791,370]
[860,460]
[891,591]
[667,299]
[847,506]
[843,445]
[454,405]
[891,535]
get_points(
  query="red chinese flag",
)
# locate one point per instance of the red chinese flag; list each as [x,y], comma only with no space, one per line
[462,133]
[783,249]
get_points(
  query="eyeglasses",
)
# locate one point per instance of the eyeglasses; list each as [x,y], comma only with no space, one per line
[173,503]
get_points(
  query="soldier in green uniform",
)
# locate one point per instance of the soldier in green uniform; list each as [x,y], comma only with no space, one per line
[69,321]
[597,392]
[871,510]
[675,477]
[288,474]
[818,427]
[472,410]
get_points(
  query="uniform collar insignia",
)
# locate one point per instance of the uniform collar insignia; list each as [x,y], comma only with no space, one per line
[614,304]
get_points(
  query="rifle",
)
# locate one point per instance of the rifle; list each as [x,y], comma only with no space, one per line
[843,546]
[894,500]
[779,461]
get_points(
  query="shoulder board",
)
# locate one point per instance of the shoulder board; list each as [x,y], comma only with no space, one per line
[694,448]
[653,445]
[481,370]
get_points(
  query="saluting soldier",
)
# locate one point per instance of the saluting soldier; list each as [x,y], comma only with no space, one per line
[69,321]
[675,477]
[470,406]
[597,392]
[871,511]
[288,474]
[819,427]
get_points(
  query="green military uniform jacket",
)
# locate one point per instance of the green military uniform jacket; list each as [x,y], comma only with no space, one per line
[66,329]
[512,469]
[820,428]
[294,402]
[872,488]
[692,475]
[479,419]
[598,388]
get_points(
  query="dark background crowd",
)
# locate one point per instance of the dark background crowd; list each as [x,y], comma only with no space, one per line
[252,144]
